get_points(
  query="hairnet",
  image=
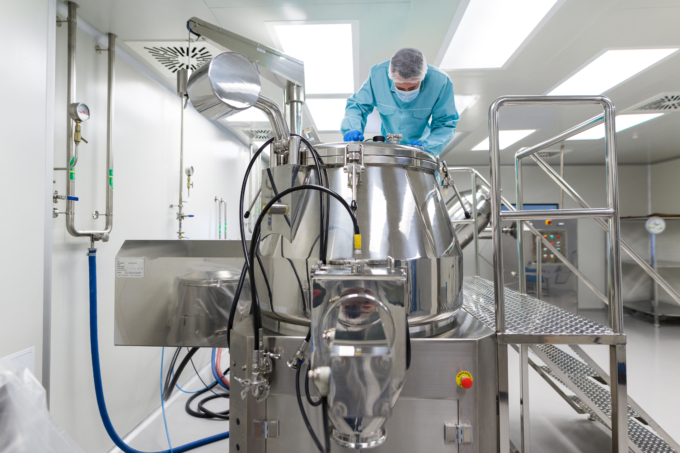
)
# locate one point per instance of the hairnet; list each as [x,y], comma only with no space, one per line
[407,66]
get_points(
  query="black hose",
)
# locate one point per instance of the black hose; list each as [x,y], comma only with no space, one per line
[302,291]
[202,411]
[234,303]
[309,397]
[175,377]
[326,430]
[243,194]
[168,376]
[221,415]
[302,409]
[266,281]
[257,321]
[323,243]
[408,346]
[322,182]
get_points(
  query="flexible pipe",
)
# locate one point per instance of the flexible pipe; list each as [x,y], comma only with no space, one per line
[213,366]
[218,368]
[96,371]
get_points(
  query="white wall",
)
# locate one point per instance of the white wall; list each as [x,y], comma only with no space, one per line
[27,108]
[589,181]
[146,144]
[666,187]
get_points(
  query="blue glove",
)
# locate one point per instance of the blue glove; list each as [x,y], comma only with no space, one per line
[415,143]
[354,136]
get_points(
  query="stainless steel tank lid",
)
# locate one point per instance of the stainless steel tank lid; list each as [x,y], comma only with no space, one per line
[375,153]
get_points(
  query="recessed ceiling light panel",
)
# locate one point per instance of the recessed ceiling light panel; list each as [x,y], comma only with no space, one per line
[326,49]
[506,139]
[623,122]
[491,31]
[609,70]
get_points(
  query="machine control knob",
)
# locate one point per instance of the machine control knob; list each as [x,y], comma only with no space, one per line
[464,379]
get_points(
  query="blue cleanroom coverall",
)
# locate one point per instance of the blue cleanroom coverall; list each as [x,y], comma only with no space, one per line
[430,118]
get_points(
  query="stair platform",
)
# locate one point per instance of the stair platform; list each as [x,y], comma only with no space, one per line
[532,321]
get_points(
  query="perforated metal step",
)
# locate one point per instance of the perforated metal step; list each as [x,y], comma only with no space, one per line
[583,377]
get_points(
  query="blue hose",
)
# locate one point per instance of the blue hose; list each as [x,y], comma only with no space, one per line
[96,371]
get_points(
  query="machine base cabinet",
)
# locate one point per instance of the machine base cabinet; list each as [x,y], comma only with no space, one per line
[434,413]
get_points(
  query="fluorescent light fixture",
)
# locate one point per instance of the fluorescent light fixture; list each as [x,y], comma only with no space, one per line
[491,31]
[506,138]
[463,101]
[326,50]
[610,69]
[248,115]
[327,113]
[623,122]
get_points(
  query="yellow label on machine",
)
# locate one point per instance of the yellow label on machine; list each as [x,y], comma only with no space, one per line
[357,242]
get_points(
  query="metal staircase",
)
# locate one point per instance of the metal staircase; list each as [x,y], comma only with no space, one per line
[563,371]
[528,324]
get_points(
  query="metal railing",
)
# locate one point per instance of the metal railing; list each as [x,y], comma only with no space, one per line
[517,214]
[619,421]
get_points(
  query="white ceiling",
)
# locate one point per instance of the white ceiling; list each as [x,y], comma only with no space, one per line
[578,31]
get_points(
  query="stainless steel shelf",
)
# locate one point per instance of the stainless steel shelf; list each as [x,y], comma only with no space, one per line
[531,321]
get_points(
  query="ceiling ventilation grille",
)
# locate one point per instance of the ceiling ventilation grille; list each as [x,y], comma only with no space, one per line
[258,134]
[662,103]
[175,58]
[168,57]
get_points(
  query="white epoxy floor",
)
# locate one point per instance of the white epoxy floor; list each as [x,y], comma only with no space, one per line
[653,371]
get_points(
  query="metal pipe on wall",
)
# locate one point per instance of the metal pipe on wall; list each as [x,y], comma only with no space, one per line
[182,76]
[110,96]
[94,235]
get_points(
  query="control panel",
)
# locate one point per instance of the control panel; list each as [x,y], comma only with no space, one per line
[558,239]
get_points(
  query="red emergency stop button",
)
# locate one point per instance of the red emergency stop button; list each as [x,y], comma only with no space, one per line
[464,379]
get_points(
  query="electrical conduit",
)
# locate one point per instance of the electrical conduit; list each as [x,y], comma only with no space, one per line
[96,371]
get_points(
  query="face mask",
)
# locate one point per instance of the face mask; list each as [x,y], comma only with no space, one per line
[407,96]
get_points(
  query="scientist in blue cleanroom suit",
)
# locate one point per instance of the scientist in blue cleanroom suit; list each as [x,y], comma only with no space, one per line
[413,98]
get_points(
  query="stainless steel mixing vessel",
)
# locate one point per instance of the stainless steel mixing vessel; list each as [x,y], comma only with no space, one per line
[402,216]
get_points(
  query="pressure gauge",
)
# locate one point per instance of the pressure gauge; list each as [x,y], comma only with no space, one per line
[189,171]
[655,225]
[79,112]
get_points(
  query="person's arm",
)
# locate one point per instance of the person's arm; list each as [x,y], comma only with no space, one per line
[444,120]
[359,106]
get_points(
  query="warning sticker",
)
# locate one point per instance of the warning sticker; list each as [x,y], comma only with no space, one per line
[130,267]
